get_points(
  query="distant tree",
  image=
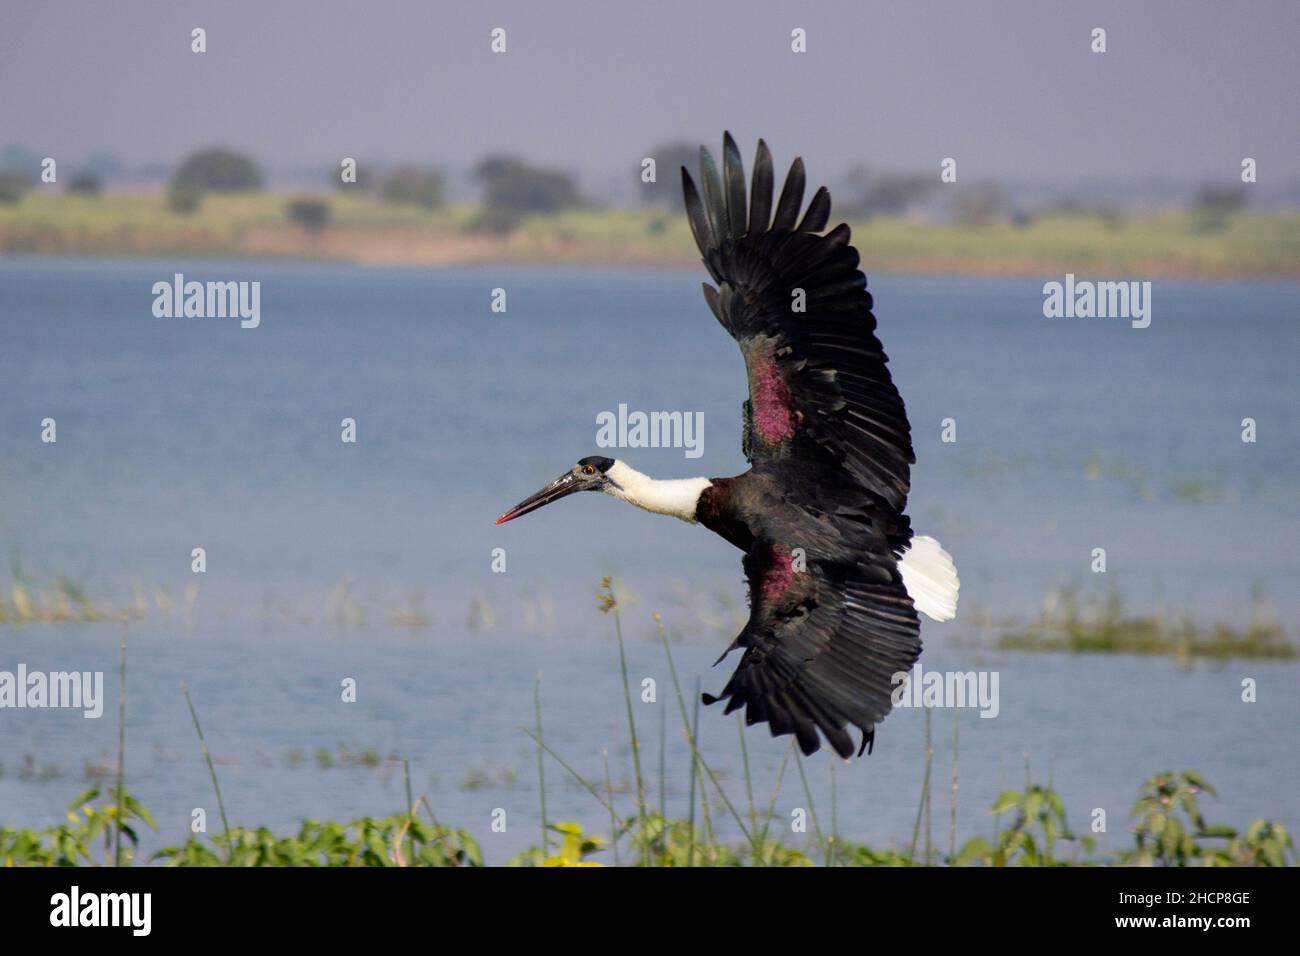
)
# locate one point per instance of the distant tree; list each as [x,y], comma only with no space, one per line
[1110,215]
[979,203]
[516,186]
[885,193]
[184,199]
[312,214]
[19,159]
[413,185]
[495,220]
[12,186]
[103,166]
[217,170]
[669,159]
[1220,200]
[1214,205]
[83,184]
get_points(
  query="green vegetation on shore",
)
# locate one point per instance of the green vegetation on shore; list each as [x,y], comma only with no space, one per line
[1068,622]
[1102,627]
[364,228]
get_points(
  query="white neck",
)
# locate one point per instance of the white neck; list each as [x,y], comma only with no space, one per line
[673,497]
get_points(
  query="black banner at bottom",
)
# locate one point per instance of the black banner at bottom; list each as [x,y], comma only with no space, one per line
[336,905]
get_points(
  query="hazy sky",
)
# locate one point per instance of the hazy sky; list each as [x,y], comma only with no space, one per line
[1010,89]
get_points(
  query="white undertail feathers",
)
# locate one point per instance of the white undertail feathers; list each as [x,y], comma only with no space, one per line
[930,578]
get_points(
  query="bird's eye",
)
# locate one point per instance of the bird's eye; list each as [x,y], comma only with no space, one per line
[588,470]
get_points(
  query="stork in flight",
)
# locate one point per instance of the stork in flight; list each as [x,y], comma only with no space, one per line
[836,577]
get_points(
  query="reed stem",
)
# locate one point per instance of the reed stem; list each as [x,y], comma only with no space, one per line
[613,817]
[212,772]
[631,729]
[121,757]
[952,818]
[541,772]
[812,809]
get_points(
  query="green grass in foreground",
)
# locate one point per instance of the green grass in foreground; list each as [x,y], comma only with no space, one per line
[1167,824]
[364,228]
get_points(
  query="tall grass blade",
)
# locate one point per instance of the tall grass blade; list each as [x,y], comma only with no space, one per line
[541,772]
[929,758]
[749,781]
[613,817]
[690,850]
[212,772]
[663,734]
[410,804]
[776,791]
[583,781]
[121,757]
[631,730]
[695,750]
[952,818]
[833,844]
[812,808]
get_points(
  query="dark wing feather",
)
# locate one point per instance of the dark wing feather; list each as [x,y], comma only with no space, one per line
[760,202]
[714,203]
[822,646]
[695,213]
[819,387]
[787,210]
[819,212]
[734,176]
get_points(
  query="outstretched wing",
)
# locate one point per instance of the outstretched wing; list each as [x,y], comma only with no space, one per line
[798,306]
[823,642]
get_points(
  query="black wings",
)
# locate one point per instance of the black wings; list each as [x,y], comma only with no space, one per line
[798,306]
[831,622]
[830,626]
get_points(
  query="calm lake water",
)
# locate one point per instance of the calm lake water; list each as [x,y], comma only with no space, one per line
[173,434]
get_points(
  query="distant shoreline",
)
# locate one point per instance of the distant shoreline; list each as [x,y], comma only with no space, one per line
[365,230]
